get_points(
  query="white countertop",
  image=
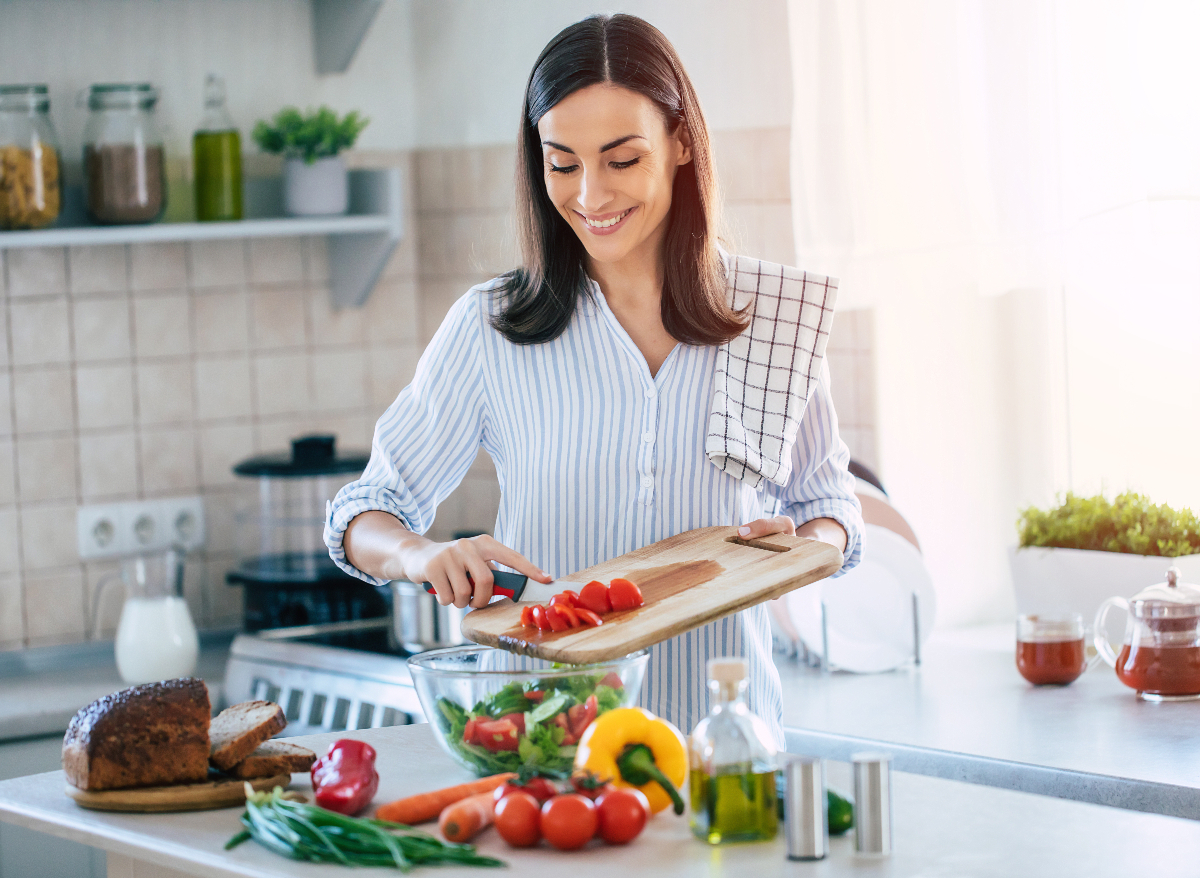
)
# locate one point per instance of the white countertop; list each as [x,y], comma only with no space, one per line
[941,828]
[966,713]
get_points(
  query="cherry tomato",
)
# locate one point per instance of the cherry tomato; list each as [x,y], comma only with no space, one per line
[539,618]
[612,679]
[557,622]
[469,730]
[496,735]
[527,616]
[570,614]
[541,789]
[588,617]
[589,784]
[517,719]
[621,814]
[624,595]
[568,821]
[579,717]
[560,719]
[594,596]
[519,819]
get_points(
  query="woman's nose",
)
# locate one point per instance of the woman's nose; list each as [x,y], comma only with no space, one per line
[594,192]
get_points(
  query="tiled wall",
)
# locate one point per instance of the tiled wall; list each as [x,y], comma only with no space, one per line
[147,371]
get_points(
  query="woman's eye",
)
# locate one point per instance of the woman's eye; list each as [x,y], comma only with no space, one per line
[565,169]
[622,165]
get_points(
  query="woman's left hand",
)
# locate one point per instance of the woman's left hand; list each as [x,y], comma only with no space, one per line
[826,530]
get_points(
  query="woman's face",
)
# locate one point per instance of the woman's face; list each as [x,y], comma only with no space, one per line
[610,164]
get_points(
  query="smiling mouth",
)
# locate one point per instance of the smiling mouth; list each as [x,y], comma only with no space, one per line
[612,221]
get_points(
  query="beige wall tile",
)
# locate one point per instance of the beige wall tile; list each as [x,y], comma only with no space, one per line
[103,574]
[391,314]
[316,259]
[437,295]
[222,446]
[775,157]
[275,433]
[403,261]
[391,369]
[10,557]
[843,385]
[339,379]
[158,266]
[5,353]
[46,468]
[481,502]
[101,329]
[54,607]
[169,461]
[108,466]
[220,318]
[217,263]
[744,221]
[343,326]
[41,332]
[499,170]
[432,179]
[48,536]
[8,471]
[434,251]
[43,399]
[164,392]
[777,243]
[6,403]
[353,430]
[279,317]
[281,384]
[222,511]
[276,260]
[105,396]
[37,271]
[12,614]
[162,325]
[99,268]
[738,167]
[223,387]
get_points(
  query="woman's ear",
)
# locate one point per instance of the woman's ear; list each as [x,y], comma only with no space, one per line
[684,136]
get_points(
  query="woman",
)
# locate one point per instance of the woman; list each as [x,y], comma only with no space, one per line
[590,374]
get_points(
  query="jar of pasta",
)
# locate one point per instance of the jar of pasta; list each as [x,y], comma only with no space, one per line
[30,188]
[123,160]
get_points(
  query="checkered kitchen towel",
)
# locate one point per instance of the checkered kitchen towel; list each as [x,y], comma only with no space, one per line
[765,374]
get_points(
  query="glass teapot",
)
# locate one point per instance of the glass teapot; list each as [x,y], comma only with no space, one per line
[1161,654]
[156,638]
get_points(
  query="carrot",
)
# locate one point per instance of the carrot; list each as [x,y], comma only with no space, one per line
[425,807]
[460,821]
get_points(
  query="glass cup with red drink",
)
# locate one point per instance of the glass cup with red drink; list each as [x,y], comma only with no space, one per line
[1051,648]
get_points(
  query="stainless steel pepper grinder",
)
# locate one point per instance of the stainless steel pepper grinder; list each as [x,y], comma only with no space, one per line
[805,812]
[872,803]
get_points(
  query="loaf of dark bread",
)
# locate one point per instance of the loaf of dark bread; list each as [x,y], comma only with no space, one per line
[148,735]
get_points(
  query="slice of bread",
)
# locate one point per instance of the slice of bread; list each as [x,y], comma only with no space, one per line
[239,729]
[274,758]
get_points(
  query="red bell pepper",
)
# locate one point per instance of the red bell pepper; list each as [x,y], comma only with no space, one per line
[345,780]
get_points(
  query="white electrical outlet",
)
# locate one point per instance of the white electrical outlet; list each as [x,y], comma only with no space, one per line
[108,530]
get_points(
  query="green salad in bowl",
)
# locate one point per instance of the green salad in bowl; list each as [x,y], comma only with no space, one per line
[495,711]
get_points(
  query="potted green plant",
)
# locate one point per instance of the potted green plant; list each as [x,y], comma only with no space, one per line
[314,174]
[1085,549]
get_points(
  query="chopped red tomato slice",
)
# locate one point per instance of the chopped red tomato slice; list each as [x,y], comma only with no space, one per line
[537,695]
[587,617]
[540,619]
[497,735]
[594,596]
[572,596]
[469,731]
[527,616]
[558,622]
[579,717]
[612,679]
[517,719]
[560,719]
[624,594]
[570,614]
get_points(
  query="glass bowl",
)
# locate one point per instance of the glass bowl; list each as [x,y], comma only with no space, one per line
[495,711]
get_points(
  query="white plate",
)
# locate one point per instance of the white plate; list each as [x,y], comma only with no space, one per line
[869,610]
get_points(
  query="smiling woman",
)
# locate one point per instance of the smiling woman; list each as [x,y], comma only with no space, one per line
[600,374]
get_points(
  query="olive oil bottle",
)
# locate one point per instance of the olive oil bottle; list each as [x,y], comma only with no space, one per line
[732,764]
[217,156]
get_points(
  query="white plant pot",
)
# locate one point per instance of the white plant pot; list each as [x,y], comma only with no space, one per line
[318,189]
[1053,580]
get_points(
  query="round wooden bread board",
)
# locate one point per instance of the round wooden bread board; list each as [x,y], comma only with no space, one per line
[175,797]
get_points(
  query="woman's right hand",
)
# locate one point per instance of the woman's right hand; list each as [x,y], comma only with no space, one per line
[447,565]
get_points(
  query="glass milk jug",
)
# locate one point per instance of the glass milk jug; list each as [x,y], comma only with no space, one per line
[156,639]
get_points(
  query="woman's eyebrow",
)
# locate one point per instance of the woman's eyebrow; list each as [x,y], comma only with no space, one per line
[604,149]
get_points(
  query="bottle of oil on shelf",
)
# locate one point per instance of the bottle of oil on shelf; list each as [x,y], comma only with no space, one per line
[217,153]
[732,764]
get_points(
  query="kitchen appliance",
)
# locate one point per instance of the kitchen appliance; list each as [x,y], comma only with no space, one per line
[419,622]
[687,580]
[30,165]
[156,638]
[1160,657]
[284,565]
[123,157]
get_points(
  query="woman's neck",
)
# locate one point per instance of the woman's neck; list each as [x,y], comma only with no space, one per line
[633,290]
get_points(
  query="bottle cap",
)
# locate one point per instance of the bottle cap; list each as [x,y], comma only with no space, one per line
[727,670]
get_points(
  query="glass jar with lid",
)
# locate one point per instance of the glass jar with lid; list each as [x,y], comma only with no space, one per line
[30,187]
[123,158]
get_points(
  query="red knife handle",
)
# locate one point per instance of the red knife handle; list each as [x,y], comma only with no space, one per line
[504,583]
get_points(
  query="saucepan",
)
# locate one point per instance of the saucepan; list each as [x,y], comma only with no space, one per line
[419,623]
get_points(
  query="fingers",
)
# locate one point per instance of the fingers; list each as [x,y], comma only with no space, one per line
[461,571]
[763,527]
[496,551]
[481,575]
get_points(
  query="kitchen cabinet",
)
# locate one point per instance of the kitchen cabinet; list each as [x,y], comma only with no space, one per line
[360,241]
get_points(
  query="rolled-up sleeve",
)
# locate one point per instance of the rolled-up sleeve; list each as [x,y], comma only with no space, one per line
[821,486]
[426,440]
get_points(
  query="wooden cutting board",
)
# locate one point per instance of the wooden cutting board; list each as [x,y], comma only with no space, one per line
[175,797]
[687,580]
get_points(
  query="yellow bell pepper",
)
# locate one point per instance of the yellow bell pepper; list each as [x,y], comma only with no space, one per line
[636,749]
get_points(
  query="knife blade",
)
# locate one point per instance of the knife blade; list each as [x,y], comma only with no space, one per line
[518,587]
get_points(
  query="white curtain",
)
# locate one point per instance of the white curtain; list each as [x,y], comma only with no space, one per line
[1014,187]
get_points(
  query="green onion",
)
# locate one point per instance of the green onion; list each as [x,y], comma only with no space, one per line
[309,833]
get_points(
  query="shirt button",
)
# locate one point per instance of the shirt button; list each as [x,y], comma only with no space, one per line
[647,482]
[648,437]
[650,392]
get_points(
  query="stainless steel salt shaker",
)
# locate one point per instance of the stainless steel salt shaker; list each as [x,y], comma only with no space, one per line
[805,812]
[872,803]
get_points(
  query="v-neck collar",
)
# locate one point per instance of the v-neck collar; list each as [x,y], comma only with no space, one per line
[626,341]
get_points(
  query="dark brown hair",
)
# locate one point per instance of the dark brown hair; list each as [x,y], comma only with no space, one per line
[539,298]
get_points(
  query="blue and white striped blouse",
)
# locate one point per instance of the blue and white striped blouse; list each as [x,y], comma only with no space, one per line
[595,458]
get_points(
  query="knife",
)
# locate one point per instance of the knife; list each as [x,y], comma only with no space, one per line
[518,587]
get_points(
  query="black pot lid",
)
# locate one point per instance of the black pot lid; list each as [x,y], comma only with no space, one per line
[314,455]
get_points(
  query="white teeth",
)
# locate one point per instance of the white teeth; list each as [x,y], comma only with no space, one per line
[604,224]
